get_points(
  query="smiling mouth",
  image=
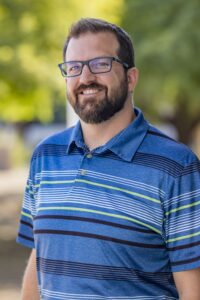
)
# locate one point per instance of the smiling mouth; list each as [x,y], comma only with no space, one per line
[90,91]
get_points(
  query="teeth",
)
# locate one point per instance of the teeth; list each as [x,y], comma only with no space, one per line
[90,91]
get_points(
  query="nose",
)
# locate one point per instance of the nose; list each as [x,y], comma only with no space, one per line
[87,76]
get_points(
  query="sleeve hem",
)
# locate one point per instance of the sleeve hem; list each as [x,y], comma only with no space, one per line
[186,267]
[25,243]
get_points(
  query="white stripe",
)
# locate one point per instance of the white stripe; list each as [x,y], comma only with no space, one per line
[132,208]
[183,224]
[126,181]
[183,197]
[106,197]
[103,176]
[63,296]
[38,176]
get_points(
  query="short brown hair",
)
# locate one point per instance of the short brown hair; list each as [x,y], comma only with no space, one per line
[84,25]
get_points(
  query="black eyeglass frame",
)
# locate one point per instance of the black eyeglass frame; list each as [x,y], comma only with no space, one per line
[87,63]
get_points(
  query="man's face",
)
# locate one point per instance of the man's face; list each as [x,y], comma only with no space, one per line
[96,97]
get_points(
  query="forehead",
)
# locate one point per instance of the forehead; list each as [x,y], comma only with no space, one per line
[90,45]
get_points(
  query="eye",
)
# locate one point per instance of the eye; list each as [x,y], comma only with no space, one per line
[103,64]
[73,68]
[100,64]
[76,67]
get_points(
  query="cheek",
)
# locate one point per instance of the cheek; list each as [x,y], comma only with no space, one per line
[70,85]
[113,85]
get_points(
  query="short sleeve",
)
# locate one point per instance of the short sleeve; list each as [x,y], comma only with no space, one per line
[25,234]
[182,217]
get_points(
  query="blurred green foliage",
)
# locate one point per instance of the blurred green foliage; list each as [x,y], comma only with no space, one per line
[166,38]
[167,41]
[32,36]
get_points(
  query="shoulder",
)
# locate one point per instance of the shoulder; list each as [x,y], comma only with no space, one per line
[161,153]
[57,142]
[160,144]
[61,137]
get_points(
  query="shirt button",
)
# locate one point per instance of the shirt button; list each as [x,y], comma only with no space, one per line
[89,155]
[83,172]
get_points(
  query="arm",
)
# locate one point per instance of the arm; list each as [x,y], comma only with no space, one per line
[188,284]
[29,285]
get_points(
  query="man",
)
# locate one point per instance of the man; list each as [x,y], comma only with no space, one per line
[112,206]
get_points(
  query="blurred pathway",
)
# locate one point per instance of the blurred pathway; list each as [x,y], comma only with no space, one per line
[12,181]
[13,260]
[13,257]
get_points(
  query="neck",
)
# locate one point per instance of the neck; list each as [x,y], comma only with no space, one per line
[96,135]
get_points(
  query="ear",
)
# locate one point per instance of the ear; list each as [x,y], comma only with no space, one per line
[132,76]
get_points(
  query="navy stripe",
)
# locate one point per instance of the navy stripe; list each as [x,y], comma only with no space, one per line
[184,246]
[154,161]
[50,150]
[158,162]
[26,223]
[101,272]
[92,220]
[194,167]
[55,150]
[25,237]
[100,237]
[186,261]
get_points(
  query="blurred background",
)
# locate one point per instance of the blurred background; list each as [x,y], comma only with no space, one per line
[32,92]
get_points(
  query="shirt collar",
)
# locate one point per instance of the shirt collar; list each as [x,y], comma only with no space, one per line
[76,138]
[124,144]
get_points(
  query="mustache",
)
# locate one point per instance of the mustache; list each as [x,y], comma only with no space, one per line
[91,85]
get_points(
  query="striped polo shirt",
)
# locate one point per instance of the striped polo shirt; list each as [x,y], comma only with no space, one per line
[115,222]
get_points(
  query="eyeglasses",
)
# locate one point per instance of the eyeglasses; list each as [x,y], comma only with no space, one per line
[96,66]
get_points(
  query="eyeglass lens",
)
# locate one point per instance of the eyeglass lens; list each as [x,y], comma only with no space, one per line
[97,65]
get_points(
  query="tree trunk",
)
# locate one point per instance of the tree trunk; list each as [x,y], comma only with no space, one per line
[184,121]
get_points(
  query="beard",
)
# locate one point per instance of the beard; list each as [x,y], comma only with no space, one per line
[95,111]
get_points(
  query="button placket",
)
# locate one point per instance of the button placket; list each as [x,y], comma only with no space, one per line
[87,155]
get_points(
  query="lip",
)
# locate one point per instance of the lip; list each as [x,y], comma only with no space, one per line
[90,92]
